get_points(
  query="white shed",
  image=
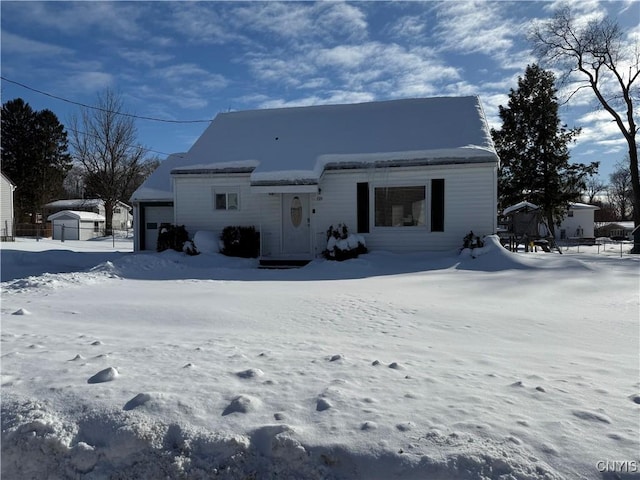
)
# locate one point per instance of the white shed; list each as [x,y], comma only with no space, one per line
[74,225]
[6,209]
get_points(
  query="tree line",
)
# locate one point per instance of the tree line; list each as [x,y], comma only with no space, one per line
[100,157]
[106,161]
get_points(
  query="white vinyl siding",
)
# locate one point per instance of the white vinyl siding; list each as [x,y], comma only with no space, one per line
[470,204]
[6,207]
[193,207]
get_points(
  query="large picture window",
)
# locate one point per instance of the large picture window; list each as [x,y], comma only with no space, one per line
[225,200]
[400,206]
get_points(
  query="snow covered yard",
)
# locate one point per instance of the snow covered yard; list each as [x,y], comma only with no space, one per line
[493,365]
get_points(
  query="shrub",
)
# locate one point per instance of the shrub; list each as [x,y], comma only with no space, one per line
[174,237]
[240,242]
[472,241]
[341,245]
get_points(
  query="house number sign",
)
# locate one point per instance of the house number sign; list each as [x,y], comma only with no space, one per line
[296,212]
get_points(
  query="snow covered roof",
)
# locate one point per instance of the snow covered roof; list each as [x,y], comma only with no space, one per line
[158,186]
[520,206]
[294,145]
[72,203]
[583,206]
[78,215]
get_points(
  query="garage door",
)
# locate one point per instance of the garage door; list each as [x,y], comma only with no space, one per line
[153,217]
[70,228]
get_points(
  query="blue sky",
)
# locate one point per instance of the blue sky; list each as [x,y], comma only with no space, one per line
[192,60]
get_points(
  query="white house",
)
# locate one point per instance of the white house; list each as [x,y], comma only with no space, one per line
[122,217]
[76,225]
[7,216]
[578,223]
[408,175]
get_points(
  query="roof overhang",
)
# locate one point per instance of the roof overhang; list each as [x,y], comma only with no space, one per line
[285,188]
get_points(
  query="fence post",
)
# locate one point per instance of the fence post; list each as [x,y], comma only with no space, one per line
[62,234]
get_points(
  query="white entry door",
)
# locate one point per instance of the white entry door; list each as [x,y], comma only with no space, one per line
[295,224]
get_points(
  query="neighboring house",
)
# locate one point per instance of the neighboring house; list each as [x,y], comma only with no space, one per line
[122,218]
[408,175]
[578,223]
[615,230]
[525,218]
[7,215]
[76,225]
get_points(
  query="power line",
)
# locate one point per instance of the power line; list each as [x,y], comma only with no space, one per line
[98,108]
[79,132]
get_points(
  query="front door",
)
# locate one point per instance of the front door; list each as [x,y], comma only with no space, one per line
[295,224]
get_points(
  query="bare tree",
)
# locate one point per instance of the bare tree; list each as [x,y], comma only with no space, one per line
[619,191]
[104,140]
[596,53]
[594,186]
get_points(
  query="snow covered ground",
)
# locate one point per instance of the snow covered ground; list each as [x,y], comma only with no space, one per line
[419,366]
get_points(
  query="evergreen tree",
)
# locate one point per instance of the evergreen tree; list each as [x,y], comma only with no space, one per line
[34,156]
[533,149]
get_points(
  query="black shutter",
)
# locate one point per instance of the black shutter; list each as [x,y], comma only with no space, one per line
[363,207]
[437,205]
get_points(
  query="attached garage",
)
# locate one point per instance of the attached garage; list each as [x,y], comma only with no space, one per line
[75,225]
[153,216]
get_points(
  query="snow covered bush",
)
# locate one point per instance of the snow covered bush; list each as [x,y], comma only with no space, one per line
[240,242]
[173,237]
[207,241]
[342,245]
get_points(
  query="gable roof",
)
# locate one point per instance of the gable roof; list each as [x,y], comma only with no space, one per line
[70,204]
[158,186]
[77,215]
[11,184]
[295,145]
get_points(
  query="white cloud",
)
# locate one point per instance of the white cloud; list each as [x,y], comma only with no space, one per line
[117,18]
[144,57]
[475,27]
[19,45]
[304,21]
[88,81]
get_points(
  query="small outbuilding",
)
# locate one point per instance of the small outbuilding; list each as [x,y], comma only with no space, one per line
[75,225]
[7,225]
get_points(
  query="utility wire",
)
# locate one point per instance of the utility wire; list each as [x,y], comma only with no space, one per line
[79,132]
[98,108]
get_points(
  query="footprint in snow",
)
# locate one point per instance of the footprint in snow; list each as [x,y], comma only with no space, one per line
[335,358]
[96,343]
[242,404]
[21,311]
[76,358]
[396,366]
[323,404]
[250,373]
[635,398]
[106,375]
[591,416]
[404,426]
[369,426]
[137,401]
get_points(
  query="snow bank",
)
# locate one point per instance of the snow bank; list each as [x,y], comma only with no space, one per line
[162,365]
